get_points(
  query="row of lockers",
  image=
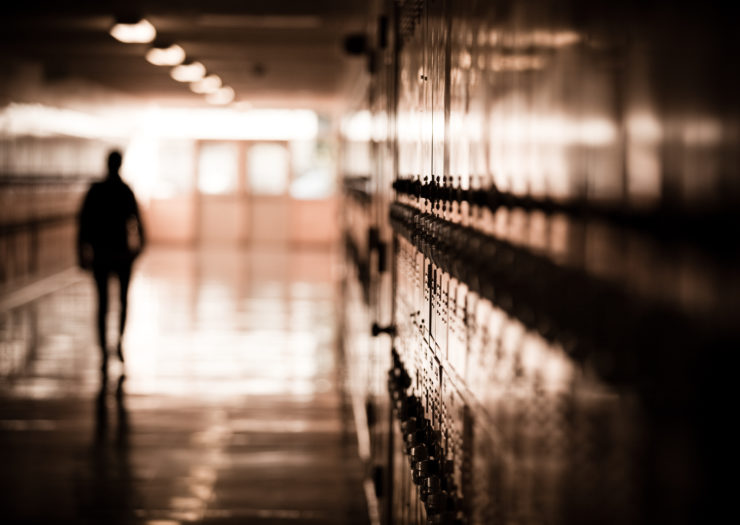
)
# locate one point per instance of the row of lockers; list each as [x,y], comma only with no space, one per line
[543,240]
[626,104]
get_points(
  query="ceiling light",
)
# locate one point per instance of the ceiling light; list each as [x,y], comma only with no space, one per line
[166,55]
[141,32]
[190,72]
[208,84]
[221,96]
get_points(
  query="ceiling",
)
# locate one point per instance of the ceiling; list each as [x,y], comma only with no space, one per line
[278,53]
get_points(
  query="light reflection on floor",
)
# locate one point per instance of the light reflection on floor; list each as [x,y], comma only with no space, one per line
[230,410]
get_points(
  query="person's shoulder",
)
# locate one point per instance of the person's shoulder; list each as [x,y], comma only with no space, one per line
[127,189]
[119,185]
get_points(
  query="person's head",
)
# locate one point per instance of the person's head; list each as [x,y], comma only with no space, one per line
[114,162]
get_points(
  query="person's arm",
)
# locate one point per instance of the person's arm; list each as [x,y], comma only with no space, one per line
[139,222]
[142,236]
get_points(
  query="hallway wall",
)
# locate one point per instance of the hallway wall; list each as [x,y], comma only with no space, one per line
[540,227]
[42,182]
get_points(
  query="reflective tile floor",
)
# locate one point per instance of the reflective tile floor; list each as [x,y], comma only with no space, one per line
[230,409]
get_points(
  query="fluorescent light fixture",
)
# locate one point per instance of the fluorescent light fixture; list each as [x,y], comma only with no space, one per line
[166,56]
[208,84]
[141,32]
[191,72]
[221,96]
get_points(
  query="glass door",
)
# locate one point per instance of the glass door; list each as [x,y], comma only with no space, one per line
[221,200]
[268,175]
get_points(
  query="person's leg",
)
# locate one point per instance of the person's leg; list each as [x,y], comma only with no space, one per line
[124,277]
[101,285]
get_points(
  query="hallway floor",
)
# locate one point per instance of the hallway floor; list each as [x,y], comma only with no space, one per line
[230,410]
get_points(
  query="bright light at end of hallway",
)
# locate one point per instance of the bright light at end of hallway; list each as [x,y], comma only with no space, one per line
[141,32]
[228,124]
[358,126]
[41,121]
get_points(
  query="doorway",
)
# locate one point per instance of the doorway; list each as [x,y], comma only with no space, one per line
[243,192]
[268,171]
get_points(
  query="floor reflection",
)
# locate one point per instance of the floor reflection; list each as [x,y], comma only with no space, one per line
[111,483]
[228,409]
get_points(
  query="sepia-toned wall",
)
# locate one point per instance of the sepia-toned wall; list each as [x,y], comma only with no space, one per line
[42,183]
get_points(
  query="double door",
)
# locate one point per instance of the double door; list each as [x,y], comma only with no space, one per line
[243,192]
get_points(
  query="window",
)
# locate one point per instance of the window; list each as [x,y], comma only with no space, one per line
[217,168]
[268,169]
[313,168]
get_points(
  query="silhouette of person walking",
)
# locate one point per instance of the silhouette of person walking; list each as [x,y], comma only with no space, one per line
[110,237]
